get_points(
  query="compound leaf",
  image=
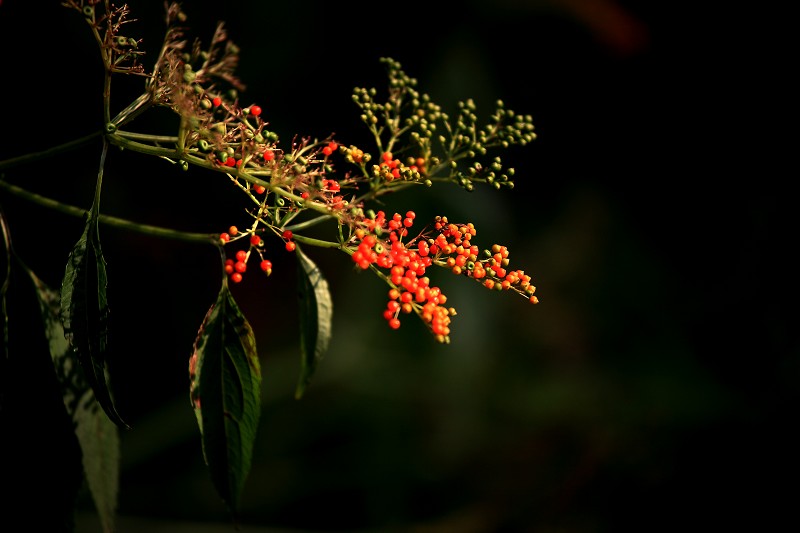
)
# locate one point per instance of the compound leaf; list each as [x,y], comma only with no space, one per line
[225,376]
[316,313]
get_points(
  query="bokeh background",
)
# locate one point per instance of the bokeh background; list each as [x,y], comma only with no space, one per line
[653,387]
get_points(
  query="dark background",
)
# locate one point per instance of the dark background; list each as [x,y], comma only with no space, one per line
[651,389]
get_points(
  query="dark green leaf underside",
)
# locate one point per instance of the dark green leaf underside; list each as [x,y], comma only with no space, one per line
[316,313]
[84,314]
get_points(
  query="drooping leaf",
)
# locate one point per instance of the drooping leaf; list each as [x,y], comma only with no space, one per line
[84,314]
[316,313]
[97,435]
[225,376]
[3,310]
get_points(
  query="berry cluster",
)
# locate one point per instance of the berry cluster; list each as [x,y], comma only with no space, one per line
[411,290]
[235,268]
[380,245]
[391,169]
[453,241]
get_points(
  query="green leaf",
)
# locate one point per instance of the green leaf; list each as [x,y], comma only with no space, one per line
[225,390]
[84,314]
[97,435]
[316,313]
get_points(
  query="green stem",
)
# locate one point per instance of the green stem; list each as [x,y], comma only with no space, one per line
[147,137]
[109,220]
[317,242]
[135,108]
[95,212]
[308,223]
[50,152]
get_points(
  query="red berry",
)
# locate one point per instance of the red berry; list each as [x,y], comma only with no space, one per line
[394,323]
[287,235]
[241,255]
[259,189]
[224,237]
[255,240]
[290,246]
[266,265]
[240,266]
[255,110]
[217,101]
[236,277]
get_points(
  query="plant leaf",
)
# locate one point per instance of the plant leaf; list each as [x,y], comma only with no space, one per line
[84,314]
[3,310]
[316,313]
[97,435]
[225,390]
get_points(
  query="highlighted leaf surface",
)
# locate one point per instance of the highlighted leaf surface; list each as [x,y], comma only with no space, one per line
[97,435]
[225,376]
